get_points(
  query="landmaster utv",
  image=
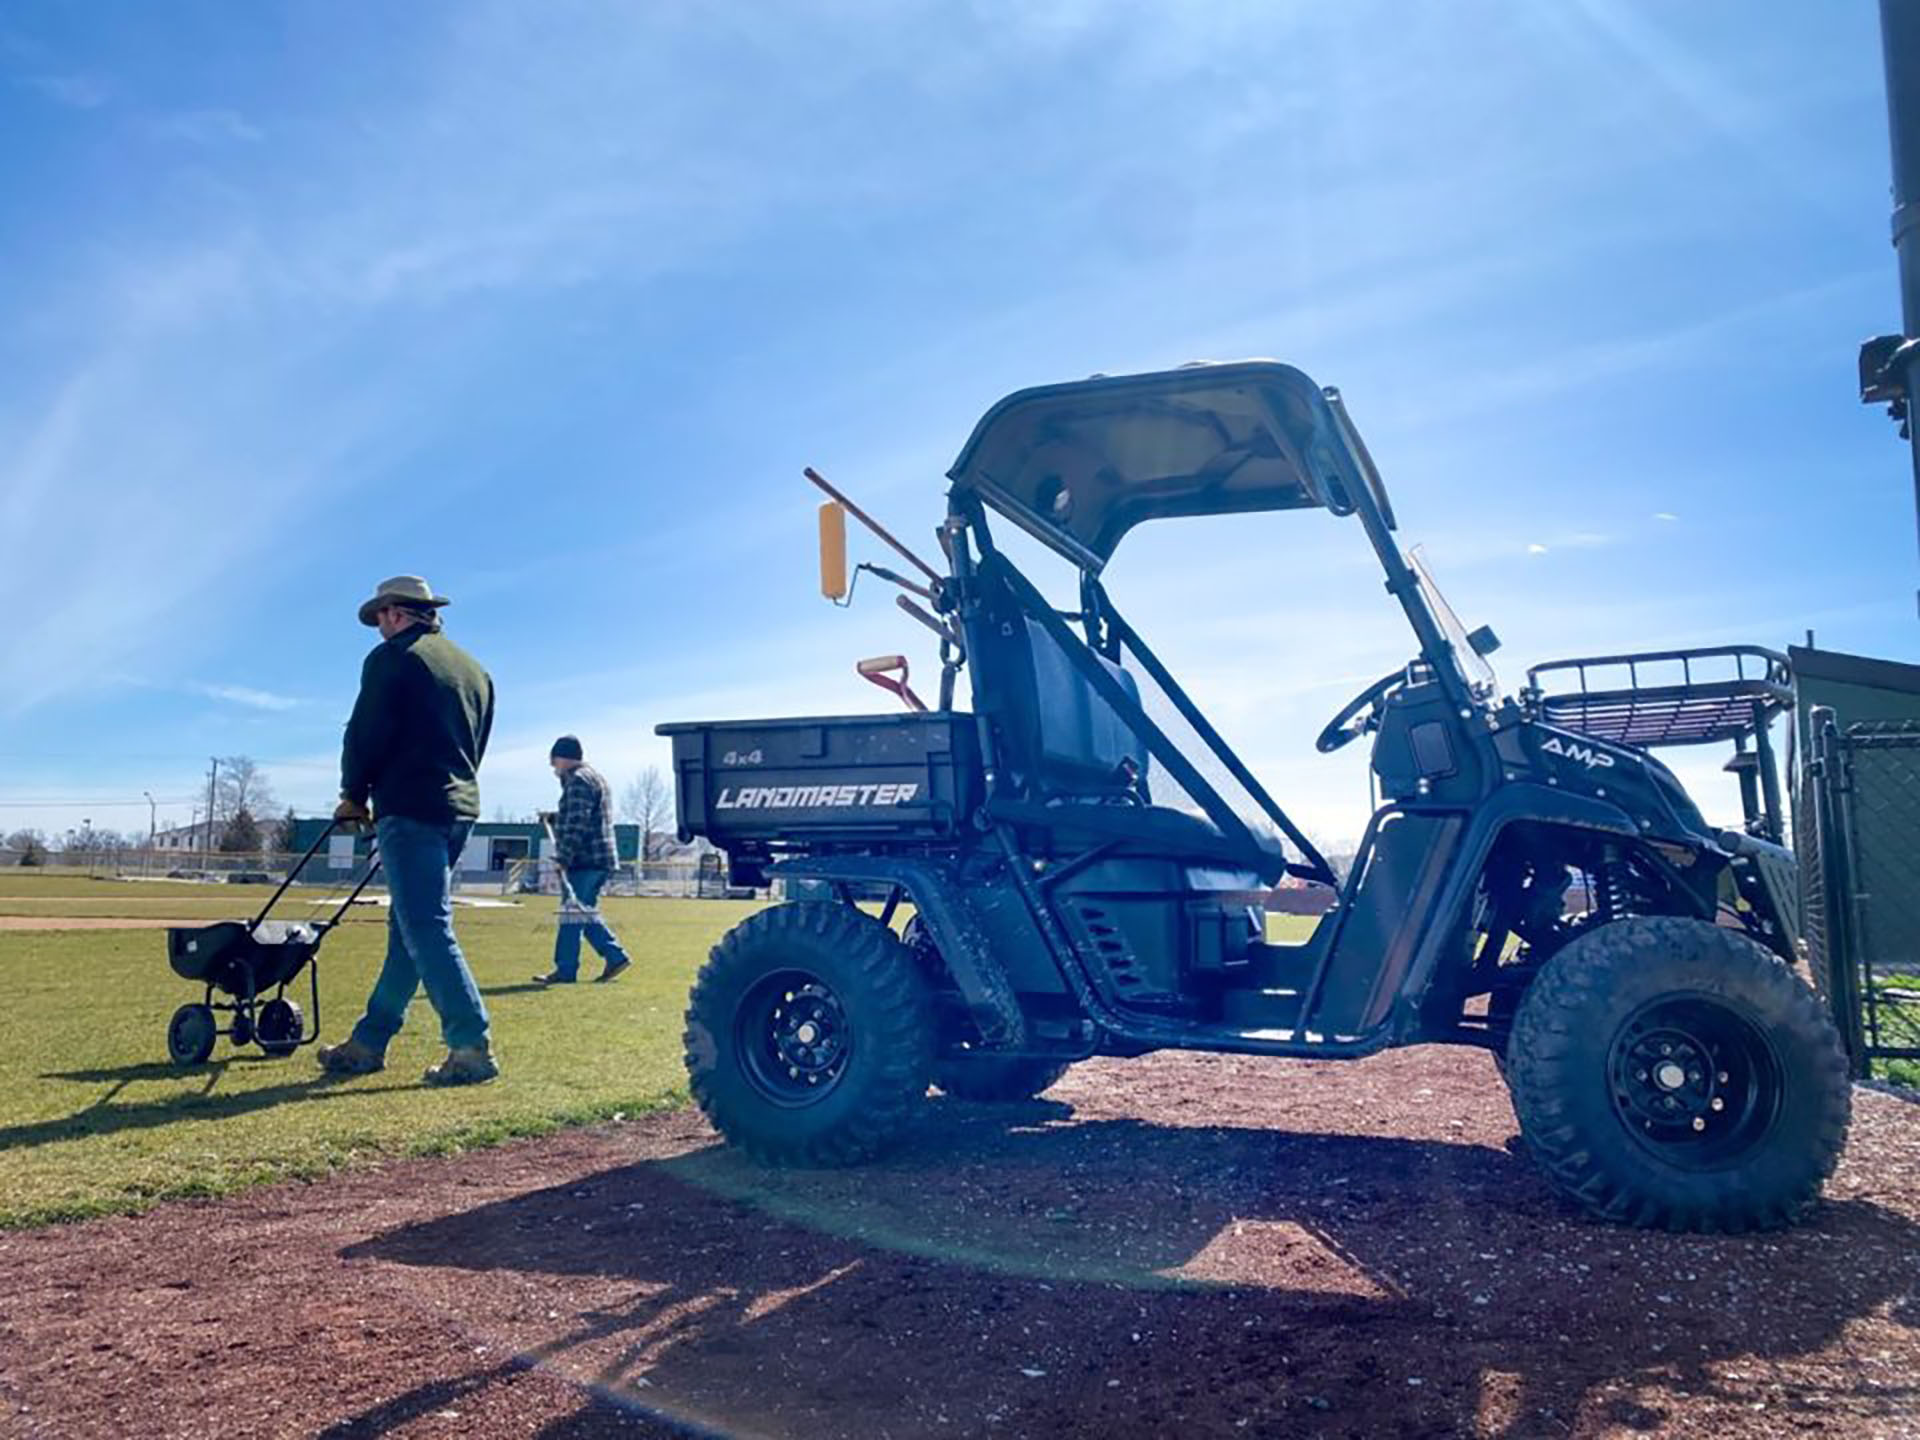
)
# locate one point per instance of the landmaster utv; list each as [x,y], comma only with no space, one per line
[1087,862]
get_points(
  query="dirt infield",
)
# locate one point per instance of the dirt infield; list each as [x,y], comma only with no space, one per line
[87,922]
[1182,1245]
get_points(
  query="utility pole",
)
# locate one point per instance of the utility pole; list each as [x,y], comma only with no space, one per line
[213,772]
[1890,364]
[153,829]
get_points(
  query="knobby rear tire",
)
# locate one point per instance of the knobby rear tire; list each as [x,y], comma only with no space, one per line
[866,980]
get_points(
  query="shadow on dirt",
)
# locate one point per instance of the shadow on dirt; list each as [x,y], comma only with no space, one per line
[1125,1278]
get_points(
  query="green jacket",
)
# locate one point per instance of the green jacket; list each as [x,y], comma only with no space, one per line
[419,729]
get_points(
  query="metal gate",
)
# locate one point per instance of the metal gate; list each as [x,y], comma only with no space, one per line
[1861,870]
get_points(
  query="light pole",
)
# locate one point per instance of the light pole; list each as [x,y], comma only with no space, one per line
[153,829]
[213,771]
[1890,365]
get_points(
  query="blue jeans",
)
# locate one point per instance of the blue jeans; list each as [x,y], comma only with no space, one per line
[421,949]
[566,942]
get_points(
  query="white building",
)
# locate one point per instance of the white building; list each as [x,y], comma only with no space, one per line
[188,839]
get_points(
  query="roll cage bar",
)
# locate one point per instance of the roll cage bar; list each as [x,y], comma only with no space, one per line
[1106,628]
[1078,465]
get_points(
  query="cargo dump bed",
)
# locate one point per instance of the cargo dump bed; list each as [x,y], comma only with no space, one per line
[762,784]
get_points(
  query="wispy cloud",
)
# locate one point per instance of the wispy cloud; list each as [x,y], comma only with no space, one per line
[206,127]
[1696,340]
[77,91]
[248,696]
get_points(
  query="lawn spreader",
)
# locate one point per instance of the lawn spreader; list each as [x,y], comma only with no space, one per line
[252,962]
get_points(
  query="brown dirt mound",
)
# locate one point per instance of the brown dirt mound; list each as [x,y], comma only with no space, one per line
[1191,1245]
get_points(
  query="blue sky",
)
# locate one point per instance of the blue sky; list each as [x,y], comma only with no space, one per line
[551,303]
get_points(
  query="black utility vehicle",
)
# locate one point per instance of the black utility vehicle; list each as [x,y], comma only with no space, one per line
[1088,863]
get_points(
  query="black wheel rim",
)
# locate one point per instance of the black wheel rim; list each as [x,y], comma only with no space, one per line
[190,1035]
[278,1026]
[793,1038]
[1695,1081]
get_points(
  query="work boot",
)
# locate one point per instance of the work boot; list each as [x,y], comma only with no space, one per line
[615,969]
[466,1065]
[553,977]
[350,1057]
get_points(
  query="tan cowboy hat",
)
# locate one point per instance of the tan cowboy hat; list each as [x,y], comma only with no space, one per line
[401,590]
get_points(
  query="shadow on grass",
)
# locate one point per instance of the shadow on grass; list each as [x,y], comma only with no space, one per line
[524,987]
[122,1075]
[103,1117]
[1163,1277]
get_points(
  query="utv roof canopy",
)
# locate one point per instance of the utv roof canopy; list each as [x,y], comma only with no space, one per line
[1079,465]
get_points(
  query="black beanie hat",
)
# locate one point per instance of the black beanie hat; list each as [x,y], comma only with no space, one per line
[566,748]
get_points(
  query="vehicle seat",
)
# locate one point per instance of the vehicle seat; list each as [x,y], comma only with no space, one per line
[1080,771]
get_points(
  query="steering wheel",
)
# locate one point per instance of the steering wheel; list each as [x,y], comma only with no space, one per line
[1343,730]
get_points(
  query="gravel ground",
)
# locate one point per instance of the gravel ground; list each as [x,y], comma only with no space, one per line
[1190,1245]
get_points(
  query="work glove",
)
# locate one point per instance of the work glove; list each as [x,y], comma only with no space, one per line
[351,816]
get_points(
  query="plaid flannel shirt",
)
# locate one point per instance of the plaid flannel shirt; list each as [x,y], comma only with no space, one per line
[583,830]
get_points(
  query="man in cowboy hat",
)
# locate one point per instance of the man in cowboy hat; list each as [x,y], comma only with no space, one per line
[414,743]
[584,850]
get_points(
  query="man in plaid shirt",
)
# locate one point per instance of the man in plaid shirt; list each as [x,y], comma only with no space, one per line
[583,848]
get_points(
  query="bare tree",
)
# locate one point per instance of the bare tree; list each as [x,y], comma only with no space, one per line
[31,844]
[242,786]
[648,802]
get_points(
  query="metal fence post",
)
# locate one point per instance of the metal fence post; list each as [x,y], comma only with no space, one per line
[1841,982]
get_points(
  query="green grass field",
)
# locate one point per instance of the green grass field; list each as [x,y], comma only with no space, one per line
[93,1119]
[1898,1015]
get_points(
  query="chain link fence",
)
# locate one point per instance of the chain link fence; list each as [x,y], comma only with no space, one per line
[1861,869]
[689,877]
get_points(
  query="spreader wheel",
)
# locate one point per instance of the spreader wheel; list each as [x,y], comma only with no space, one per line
[278,1028]
[190,1035]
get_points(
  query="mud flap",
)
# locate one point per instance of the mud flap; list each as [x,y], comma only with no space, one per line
[936,893]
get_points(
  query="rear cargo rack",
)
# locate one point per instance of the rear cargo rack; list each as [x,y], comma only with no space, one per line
[830,779]
[1671,697]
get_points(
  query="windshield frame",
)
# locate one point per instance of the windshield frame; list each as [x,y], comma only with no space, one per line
[1476,672]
